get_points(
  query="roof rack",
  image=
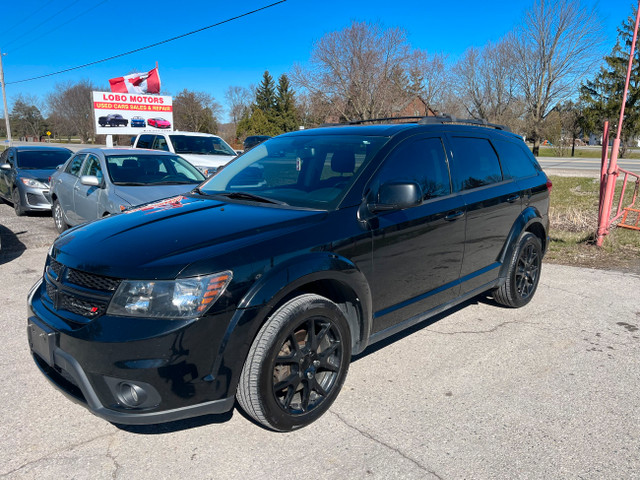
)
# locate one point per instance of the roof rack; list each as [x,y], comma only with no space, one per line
[422,120]
[465,121]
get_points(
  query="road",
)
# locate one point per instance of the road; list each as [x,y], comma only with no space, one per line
[582,166]
[547,391]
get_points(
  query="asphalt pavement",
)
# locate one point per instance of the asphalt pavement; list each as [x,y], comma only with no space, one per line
[547,391]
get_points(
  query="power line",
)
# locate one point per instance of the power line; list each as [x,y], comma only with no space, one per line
[28,17]
[13,50]
[149,46]
[48,19]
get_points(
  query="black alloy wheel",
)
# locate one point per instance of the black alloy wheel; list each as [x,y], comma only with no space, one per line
[297,364]
[523,274]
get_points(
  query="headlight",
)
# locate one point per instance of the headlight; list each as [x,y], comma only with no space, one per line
[30,182]
[183,298]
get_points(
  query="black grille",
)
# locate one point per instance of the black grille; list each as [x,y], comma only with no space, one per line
[94,282]
[56,267]
[61,286]
[86,307]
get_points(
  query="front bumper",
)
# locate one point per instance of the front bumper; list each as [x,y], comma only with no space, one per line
[35,199]
[133,377]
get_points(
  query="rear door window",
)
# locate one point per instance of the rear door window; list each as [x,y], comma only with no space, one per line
[475,163]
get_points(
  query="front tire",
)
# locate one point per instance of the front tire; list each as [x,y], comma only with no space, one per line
[58,217]
[297,364]
[523,274]
[17,202]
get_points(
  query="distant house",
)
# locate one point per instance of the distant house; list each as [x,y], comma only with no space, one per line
[414,107]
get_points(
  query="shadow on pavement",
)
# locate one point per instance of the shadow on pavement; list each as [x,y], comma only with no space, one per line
[10,246]
[170,427]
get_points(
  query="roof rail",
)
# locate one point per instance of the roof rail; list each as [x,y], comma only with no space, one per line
[370,120]
[465,121]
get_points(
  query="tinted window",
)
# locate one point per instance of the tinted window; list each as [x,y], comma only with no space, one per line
[475,163]
[92,167]
[516,161]
[145,141]
[73,167]
[46,159]
[421,161]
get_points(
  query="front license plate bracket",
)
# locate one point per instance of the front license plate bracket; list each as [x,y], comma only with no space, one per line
[42,340]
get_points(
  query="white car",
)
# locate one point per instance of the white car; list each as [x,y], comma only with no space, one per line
[204,151]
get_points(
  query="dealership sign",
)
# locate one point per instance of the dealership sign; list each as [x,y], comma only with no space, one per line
[131,113]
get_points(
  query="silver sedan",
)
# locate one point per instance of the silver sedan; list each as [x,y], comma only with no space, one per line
[96,182]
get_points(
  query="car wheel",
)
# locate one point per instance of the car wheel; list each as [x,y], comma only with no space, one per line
[297,364]
[17,202]
[58,217]
[523,274]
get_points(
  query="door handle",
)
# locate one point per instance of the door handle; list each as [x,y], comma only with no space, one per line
[513,198]
[454,215]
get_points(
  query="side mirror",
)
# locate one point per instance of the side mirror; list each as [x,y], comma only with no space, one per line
[90,180]
[396,196]
[5,166]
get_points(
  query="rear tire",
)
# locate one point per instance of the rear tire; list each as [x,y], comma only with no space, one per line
[297,364]
[58,217]
[523,274]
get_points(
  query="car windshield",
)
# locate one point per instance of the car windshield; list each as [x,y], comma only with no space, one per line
[42,159]
[151,170]
[200,145]
[309,171]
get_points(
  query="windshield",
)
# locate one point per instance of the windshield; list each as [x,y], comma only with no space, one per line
[312,171]
[151,170]
[42,159]
[200,145]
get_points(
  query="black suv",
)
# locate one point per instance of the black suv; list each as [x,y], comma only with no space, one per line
[261,283]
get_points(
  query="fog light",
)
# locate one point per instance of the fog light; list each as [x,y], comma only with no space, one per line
[131,395]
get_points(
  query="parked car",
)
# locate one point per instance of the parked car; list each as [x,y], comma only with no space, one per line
[24,176]
[159,123]
[205,151]
[97,182]
[261,283]
[138,122]
[253,140]
[113,120]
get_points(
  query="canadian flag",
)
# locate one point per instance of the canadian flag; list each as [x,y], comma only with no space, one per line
[137,83]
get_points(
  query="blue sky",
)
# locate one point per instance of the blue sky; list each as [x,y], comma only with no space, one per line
[236,53]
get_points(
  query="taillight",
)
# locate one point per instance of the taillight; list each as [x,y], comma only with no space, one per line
[549,185]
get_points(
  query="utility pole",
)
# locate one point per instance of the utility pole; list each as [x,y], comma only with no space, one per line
[4,99]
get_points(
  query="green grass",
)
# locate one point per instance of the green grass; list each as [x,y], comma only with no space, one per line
[574,220]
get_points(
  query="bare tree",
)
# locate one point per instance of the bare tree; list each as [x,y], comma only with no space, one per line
[359,71]
[557,43]
[429,78]
[485,83]
[196,112]
[71,109]
[239,100]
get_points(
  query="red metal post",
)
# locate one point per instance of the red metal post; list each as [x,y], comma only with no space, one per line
[603,168]
[612,173]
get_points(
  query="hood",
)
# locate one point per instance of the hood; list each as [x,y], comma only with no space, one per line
[41,175]
[137,195]
[160,240]
[206,160]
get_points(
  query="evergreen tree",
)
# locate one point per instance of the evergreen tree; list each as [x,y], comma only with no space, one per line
[287,115]
[266,95]
[602,96]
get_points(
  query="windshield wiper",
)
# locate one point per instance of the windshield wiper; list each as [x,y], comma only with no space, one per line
[174,182]
[250,196]
[130,184]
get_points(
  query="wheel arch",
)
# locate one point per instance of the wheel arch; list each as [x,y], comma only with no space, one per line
[322,273]
[530,220]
